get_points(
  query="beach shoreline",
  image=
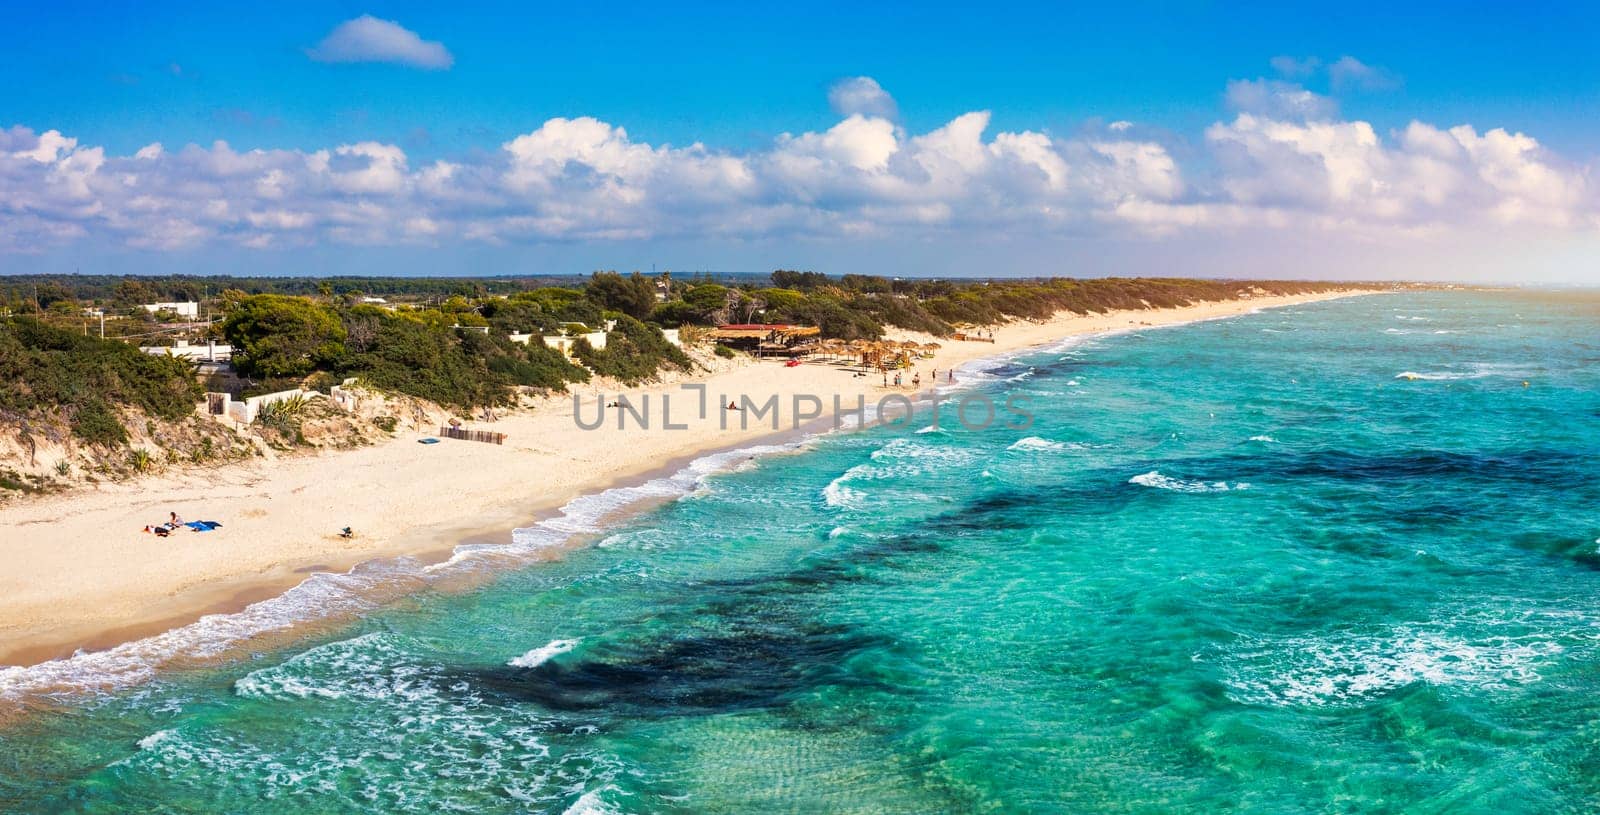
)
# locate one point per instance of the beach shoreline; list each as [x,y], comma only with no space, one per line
[83,576]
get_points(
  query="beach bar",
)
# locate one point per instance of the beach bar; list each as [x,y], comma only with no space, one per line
[767,339]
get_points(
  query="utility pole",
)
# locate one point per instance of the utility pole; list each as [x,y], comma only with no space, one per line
[102,324]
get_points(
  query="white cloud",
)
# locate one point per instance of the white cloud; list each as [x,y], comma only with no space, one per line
[1344,172]
[1349,73]
[1275,98]
[369,39]
[861,96]
[1282,164]
[1295,67]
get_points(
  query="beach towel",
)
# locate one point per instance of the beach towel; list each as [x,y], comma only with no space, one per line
[429,440]
[202,526]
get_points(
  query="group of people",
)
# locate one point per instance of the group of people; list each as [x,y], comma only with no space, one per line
[916,378]
[174,523]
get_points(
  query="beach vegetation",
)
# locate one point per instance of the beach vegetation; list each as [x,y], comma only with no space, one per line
[140,460]
[52,373]
[274,336]
[634,352]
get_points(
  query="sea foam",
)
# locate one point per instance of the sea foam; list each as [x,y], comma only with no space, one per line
[544,653]
[1350,669]
[1155,480]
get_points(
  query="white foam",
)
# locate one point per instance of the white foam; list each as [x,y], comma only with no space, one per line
[1264,439]
[371,666]
[1156,480]
[837,495]
[590,803]
[1035,443]
[1474,370]
[544,653]
[156,739]
[1353,668]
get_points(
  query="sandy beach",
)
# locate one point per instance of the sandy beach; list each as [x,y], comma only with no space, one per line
[81,574]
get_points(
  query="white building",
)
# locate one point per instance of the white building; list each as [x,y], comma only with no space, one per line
[209,352]
[563,343]
[190,310]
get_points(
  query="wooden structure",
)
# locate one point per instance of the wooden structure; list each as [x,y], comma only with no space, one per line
[767,339]
[486,436]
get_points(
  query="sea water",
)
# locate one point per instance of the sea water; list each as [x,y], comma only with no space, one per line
[1338,557]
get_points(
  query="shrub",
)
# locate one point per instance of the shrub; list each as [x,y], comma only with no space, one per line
[140,460]
[634,352]
[49,371]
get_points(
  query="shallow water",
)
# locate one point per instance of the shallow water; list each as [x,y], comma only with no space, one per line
[1231,566]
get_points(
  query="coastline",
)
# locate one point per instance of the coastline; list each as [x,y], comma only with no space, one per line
[84,576]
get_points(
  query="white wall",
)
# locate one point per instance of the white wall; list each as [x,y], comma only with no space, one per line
[190,310]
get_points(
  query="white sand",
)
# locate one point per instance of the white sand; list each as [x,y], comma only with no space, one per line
[79,572]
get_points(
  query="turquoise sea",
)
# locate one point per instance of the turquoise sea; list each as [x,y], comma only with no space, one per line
[1235,566]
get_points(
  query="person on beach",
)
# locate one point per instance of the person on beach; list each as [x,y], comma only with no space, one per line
[733,406]
[916,381]
[897,379]
[952,375]
[174,521]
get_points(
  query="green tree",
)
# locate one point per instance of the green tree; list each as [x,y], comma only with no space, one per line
[634,296]
[274,335]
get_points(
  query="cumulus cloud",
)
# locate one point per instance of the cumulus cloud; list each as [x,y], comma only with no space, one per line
[863,96]
[1423,177]
[1275,165]
[369,39]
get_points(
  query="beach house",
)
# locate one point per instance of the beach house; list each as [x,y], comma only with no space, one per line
[189,310]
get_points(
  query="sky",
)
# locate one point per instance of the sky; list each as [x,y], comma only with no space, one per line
[1244,140]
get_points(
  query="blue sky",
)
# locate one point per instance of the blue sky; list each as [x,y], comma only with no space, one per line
[119,77]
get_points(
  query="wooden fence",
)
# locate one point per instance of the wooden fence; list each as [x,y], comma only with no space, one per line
[472,435]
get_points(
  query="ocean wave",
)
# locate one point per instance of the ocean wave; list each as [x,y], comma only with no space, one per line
[1433,376]
[590,803]
[492,746]
[544,653]
[1350,669]
[1035,443]
[1264,439]
[1155,480]
[1475,370]
[371,666]
[840,496]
